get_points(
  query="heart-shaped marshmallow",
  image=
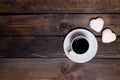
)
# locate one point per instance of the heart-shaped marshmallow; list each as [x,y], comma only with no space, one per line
[97,24]
[108,36]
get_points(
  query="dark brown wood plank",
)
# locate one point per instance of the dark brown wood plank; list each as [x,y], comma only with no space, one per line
[59,6]
[12,46]
[53,24]
[31,46]
[58,69]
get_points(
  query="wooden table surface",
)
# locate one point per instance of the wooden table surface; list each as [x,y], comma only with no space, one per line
[32,34]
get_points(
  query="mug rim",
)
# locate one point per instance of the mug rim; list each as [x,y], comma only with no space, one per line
[78,38]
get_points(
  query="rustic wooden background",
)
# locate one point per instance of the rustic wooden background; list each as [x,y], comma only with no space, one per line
[32,34]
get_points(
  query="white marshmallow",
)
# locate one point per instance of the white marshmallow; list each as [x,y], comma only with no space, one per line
[97,24]
[108,36]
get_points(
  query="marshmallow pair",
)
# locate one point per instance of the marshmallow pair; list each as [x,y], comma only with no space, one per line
[107,35]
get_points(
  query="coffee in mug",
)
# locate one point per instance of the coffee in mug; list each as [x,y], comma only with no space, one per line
[80,45]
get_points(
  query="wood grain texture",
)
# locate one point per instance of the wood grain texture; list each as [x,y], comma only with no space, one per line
[53,24]
[12,46]
[59,6]
[58,69]
[31,41]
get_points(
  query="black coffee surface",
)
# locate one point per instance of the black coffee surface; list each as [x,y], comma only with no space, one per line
[80,46]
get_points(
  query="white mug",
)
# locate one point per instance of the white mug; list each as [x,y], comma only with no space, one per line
[79,55]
